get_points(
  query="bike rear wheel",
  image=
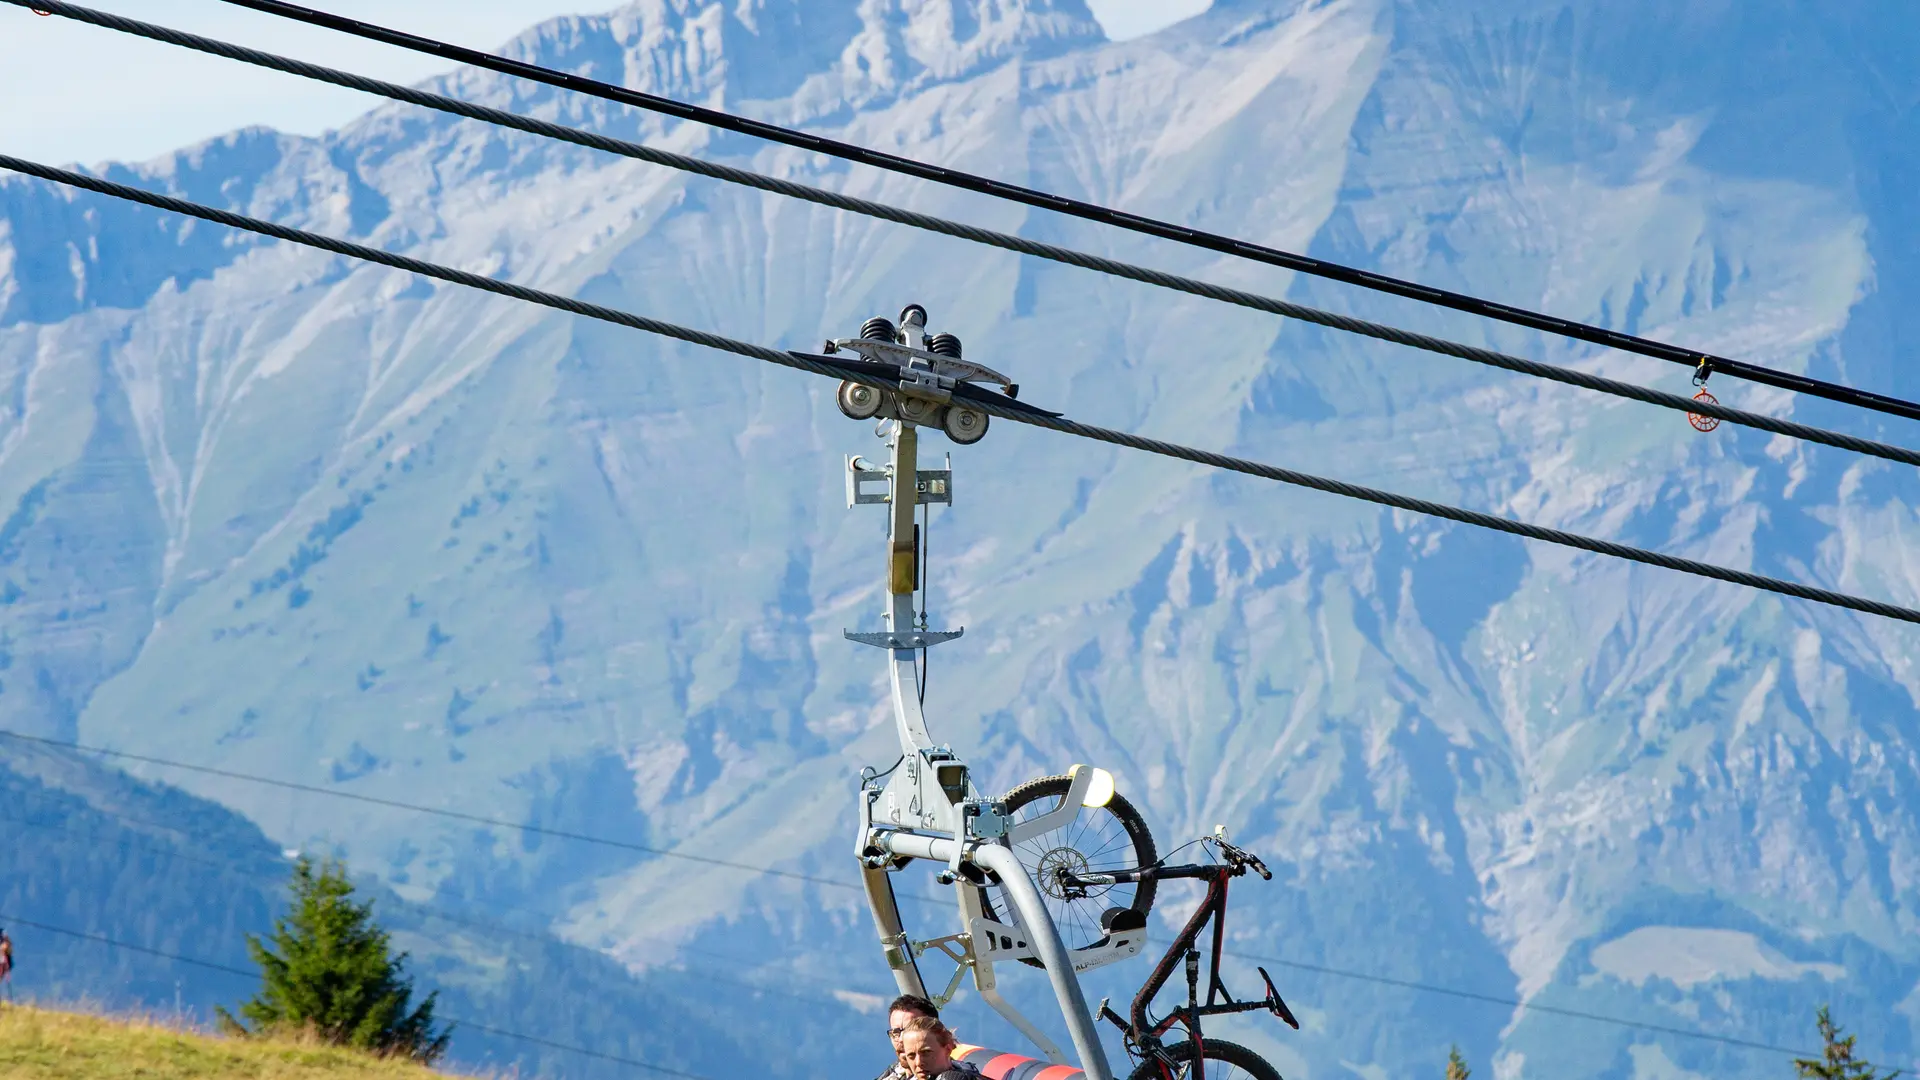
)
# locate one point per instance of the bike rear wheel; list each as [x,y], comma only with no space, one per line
[1223,1060]
[1111,837]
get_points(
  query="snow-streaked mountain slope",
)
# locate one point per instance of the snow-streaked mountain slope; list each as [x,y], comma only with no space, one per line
[287,515]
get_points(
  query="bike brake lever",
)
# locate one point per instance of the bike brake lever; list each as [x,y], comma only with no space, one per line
[1243,860]
[1274,1004]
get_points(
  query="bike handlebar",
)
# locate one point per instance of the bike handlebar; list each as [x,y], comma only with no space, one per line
[1145,873]
[1238,861]
[1242,858]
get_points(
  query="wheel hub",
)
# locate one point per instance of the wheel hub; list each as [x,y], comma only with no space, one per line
[1053,862]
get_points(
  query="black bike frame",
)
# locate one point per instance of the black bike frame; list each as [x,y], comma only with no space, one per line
[1219,1002]
[1142,1031]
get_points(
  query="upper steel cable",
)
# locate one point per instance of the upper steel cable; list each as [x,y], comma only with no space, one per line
[1226,245]
[825,367]
[974,234]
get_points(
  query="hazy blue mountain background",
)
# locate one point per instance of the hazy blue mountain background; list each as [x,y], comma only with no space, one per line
[277,513]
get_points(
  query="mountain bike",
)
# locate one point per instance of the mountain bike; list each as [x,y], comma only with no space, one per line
[1194,1057]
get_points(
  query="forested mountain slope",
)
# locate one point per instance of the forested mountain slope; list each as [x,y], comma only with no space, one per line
[130,896]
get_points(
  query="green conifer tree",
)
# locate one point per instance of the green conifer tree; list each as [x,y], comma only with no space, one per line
[1836,1058]
[328,970]
[1457,1065]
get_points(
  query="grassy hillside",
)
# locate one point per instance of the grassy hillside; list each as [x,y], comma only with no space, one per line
[40,1044]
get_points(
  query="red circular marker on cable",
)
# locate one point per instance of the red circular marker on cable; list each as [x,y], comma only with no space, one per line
[1704,423]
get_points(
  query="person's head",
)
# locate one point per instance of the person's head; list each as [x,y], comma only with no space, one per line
[904,1010]
[926,1048]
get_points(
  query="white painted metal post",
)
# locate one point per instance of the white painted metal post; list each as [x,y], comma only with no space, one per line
[1042,935]
[925,811]
[903,576]
[1045,939]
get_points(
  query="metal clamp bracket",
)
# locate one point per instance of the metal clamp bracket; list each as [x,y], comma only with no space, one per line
[860,473]
[903,357]
[959,949]
[1081,779]
[994,942]
[934,486]
[930,485]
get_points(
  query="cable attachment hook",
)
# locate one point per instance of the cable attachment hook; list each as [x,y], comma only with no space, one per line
[1702,371]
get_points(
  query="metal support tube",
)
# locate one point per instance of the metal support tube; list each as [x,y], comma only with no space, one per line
[893,934]
[918,845]
[1045,939]
[987,984]
[902,574]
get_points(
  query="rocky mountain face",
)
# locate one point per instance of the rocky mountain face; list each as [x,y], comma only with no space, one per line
[271,511]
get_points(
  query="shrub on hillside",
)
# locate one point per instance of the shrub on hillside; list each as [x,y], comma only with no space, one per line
[329,970]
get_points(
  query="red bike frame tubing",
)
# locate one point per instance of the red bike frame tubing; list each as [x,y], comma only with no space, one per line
[1214,904]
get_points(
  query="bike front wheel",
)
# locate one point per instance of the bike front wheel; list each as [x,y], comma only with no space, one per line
[1222,1060]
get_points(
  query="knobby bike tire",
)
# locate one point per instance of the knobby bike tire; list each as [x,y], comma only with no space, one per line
[1077,931]
[1232,1056]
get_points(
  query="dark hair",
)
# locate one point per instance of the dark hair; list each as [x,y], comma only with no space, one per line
[913,1003]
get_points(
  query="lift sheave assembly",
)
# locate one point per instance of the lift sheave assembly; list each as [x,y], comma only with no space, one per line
[1060,872]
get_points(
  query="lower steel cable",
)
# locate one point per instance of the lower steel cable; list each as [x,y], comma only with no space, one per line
[1071,427]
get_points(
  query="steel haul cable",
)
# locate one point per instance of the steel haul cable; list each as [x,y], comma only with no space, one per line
[1180,234]
[1744,1044]
[240,868]
[534,830]
[1383,980]
[1088,431]
[974,234]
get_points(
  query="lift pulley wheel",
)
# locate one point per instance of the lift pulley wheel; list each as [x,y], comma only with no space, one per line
[963,425]
[859,401]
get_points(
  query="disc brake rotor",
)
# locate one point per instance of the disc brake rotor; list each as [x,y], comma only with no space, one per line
[1067,859]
